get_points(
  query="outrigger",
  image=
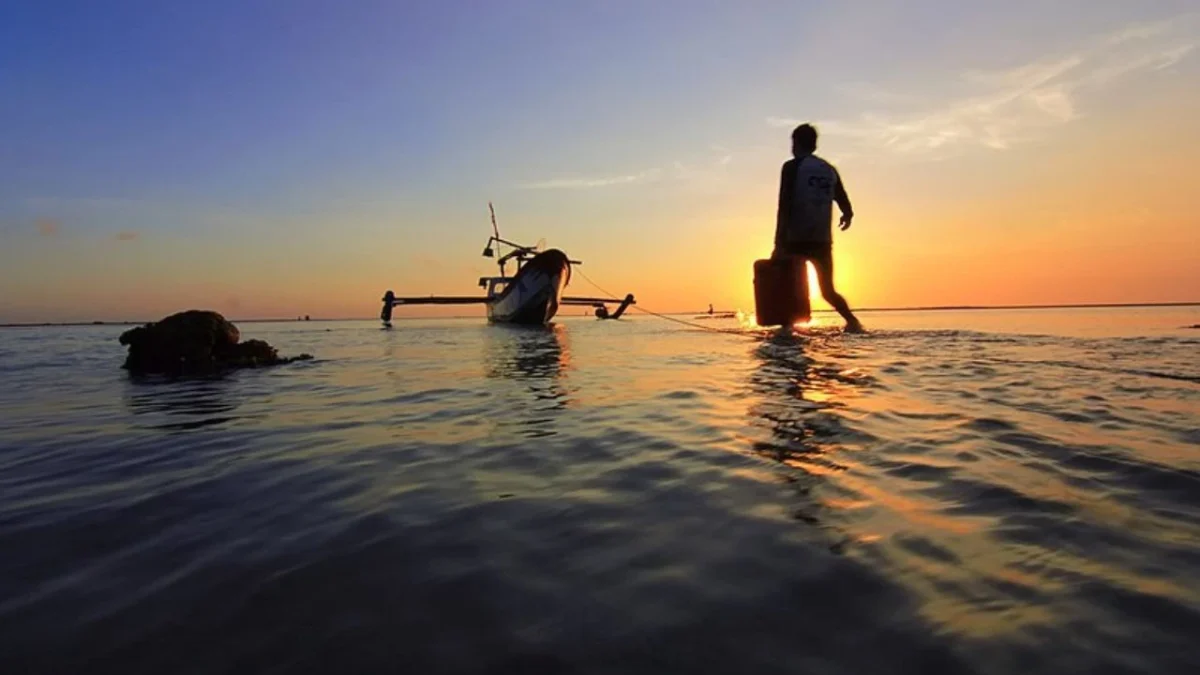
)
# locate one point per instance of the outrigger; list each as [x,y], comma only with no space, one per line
[531,296]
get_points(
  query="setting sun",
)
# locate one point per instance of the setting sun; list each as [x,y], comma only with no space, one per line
[814,288]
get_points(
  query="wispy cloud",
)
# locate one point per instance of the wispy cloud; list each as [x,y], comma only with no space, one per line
[47,227]
[126,235]
[1155,60]
[1142,30]
[576,183]
[875,94]
[1010,106]
[676,171]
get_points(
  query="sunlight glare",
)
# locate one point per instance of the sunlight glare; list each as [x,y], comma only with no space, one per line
[814,288]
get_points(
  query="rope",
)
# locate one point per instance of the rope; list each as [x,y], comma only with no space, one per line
[690,324]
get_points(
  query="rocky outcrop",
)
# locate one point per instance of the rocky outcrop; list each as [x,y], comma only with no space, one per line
[195,342]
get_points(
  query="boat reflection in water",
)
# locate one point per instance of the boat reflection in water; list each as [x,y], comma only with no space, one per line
[536,359]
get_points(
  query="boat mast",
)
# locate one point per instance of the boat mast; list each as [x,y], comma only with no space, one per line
[496,231]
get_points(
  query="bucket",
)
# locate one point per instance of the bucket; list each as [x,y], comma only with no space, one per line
[781,292]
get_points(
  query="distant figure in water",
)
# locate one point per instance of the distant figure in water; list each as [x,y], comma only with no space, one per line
[808,187]
[710,309]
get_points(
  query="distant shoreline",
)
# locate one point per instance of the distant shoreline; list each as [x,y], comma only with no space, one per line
[935,308]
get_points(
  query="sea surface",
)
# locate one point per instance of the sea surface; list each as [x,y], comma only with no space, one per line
[954,492]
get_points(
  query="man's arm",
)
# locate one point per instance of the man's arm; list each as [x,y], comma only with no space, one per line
[787,188]
[843,202]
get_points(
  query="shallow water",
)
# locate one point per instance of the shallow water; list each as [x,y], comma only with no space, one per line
[957,492]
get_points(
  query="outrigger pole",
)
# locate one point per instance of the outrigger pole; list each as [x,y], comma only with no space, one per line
[601,305]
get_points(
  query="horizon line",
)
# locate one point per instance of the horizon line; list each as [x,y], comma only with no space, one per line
[930,308]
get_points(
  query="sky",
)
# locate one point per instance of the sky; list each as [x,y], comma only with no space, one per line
[273,159]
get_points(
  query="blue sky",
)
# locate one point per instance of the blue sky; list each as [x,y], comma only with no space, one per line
[331,130]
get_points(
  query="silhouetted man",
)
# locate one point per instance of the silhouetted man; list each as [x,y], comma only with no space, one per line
[804,226]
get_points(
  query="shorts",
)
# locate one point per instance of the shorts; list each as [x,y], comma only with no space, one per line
[819,252]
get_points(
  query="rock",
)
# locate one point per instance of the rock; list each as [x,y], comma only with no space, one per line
[195,342]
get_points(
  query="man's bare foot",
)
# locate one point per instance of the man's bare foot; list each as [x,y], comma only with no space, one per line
[854,326]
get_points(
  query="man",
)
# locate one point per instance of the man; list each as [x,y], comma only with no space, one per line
[804,226]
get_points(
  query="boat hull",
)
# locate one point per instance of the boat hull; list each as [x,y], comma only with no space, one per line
[535,293]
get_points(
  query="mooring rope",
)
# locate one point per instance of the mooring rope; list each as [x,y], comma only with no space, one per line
[690,324]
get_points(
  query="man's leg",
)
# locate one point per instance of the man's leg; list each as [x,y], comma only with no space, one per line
[822,262]
[792,258]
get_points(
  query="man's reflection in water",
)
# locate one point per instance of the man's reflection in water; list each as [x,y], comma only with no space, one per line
[538,358]
[784,376]
[798,389]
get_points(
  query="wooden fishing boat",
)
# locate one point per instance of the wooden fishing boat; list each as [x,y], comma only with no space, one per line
[532,296]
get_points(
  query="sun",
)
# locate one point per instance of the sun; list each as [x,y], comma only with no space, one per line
[846,280]
[814,287]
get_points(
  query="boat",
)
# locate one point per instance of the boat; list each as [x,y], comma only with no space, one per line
[712,314]
[531,296]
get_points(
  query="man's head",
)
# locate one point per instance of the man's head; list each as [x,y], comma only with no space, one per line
[804,140]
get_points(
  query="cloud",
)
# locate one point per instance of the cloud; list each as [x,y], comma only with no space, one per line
[1138,31]
[47,227]
[1156,60]
[676,171]
[1004,107]
[1055,102]
[872,93]
[584,183]
[1024,78]
[126,235]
